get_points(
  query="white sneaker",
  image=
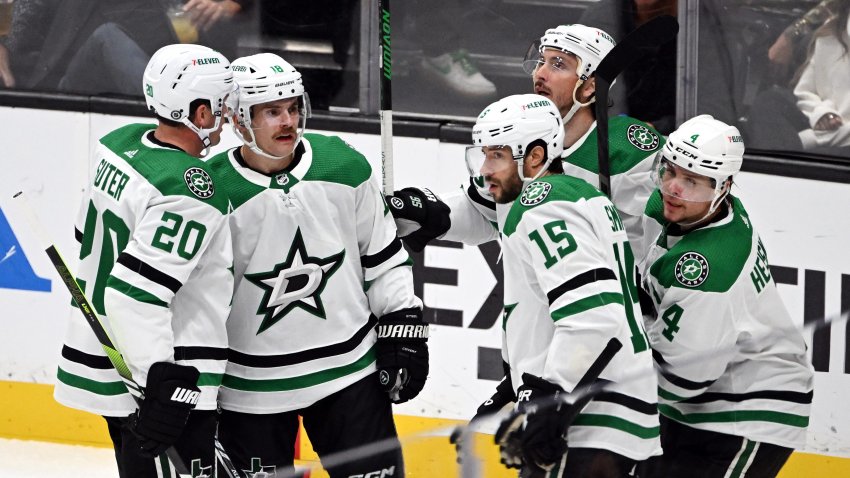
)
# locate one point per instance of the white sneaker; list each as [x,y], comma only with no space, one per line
[457,72]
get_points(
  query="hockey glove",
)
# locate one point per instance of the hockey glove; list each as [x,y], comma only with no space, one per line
[536,433]
[170,395]
[420,216]
[503,396]
[402,354]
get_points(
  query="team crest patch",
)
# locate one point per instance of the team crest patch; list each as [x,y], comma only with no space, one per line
[199,182]
[692,269]
[642,137]
[534,193]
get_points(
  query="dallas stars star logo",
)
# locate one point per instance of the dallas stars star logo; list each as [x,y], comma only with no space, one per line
[296,282]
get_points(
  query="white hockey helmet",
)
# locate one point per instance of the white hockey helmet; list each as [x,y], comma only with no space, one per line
[704,146]
[588,44]
[262,78]
[517,121]
[179,74]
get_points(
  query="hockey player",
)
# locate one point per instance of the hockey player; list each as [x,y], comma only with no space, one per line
[569,289]
[562,65]
[317,267]
[735,384]
[155,255]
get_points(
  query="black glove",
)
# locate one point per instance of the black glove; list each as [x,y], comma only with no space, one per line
[402,354]
[170,395]
[536,433]
[419,215]
[503,396]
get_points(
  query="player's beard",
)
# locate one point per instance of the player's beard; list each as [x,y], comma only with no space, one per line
[509,189]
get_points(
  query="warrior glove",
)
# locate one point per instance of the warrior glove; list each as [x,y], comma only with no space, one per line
[535,434]
[420,216]
[402,357]
[171,393]
[503,396]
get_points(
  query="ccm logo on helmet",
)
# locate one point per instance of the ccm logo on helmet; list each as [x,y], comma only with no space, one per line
[184,395]
[685,152]
[377,473]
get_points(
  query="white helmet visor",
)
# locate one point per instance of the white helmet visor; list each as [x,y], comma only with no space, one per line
[488,160]
[534,59]
[675,181]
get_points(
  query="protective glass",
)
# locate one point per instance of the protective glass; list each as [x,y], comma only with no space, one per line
[488,160]
[264,118]
[677,182]
[534,59]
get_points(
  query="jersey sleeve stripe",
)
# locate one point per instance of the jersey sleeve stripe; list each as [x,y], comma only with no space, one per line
[472,193]
[583,305]
[629,402]
[89,360]
[134,292]
[733,416]
[284,360]
[200,353]
[78,235]
[781,395]
[150,273]
[584,278]
[617,423]
[675,379]
[99,388]
[374,260]
[299,382]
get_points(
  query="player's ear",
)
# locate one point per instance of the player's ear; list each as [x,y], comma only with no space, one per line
[587,90]
[203,117]
[536,157]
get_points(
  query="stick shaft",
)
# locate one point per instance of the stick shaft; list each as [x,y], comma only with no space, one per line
[386,107]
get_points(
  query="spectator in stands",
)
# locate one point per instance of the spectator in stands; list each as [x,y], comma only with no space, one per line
[649,92]
[787,44]
[823,90]
[49,36]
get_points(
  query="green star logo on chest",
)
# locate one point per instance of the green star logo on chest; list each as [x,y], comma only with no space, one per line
[296,282]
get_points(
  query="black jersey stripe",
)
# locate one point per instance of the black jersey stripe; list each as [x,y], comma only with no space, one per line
[476,197]
[675,379]
[148,272]
[582,279]
[78,235]
[380,257]
[91,361]
[282,360]
[631,403]
[780,395]
[200,353]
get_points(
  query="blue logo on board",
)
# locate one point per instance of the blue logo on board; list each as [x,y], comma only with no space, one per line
[15,269]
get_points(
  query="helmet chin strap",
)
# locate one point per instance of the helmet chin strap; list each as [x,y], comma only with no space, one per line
[715,203]
[576,103]
[203,133]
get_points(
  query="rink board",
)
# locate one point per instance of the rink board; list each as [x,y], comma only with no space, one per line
[46,153]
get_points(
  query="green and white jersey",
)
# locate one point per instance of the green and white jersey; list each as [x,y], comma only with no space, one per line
[316,261]
[570,288]
[632,148]
[155,255]
[733,360]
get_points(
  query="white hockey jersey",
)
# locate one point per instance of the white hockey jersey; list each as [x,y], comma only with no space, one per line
[317,261]
[733,360]
[632,148]
[155,255]
[569,289]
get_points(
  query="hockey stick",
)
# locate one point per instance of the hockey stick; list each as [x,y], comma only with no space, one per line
[385,65]
[99,330]
[643,40]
